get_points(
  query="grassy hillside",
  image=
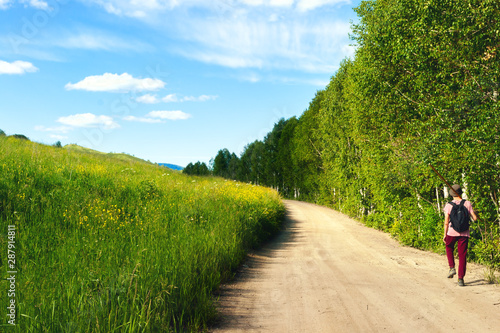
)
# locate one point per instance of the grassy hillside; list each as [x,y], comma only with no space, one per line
[121,156]
[105,244]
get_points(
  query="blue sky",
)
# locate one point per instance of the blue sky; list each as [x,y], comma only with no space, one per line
[169,81]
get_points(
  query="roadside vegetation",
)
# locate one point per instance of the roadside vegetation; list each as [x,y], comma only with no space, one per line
[107,244]
[422,89]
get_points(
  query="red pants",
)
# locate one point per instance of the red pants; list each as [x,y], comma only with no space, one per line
[462,245]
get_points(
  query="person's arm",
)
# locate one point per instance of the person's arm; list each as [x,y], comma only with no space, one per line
[473,214]
[446,224]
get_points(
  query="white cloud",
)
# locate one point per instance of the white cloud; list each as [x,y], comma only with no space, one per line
[305,5]
[16,67]
[94,39]
[37,4]
[294,80]
[303,44]
[88,120]
[274,18]
[142,119]
[144,9]
[169,115]
[349,50]
[147,99]
[58,129]
[221,57]
[159,117]
[251,77]
[51,43]
[202,98]
[301,35]
[116,83]
[131,8]
[88,41]
[4,4]
[271,3]
[58,137]
[151,4]
[281,3]
[253,2]
[170,98]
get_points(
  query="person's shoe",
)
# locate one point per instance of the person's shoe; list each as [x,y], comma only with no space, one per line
[452,273]
[461,282]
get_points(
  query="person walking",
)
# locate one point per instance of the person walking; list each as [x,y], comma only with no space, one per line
[452,213]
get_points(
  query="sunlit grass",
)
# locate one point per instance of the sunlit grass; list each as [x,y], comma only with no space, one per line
[109,245]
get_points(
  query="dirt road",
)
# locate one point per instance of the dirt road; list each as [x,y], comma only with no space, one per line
[328,273]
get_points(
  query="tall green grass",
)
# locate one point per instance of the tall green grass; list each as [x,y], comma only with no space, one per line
[108,245]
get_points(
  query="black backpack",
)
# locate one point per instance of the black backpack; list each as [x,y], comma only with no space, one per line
[459,217]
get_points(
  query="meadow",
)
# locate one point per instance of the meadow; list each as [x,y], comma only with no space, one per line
[107,244]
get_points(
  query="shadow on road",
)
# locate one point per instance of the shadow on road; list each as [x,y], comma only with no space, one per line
[480,282]
[230,296]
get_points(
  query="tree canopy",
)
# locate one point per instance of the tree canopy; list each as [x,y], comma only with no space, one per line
[421,90]
[197,169]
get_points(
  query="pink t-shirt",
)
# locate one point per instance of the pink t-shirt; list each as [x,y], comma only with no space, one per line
[447,211]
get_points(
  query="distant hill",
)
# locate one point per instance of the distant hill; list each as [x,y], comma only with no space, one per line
[171,166]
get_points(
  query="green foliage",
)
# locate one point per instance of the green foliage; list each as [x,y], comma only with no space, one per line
[380,221]
[197,169]
[306,156]
[104,244]
[20,137]
[422,89]
[487,251]
[417,226]
[226,164]
[252,164]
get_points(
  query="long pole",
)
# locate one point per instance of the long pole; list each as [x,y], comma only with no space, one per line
[444,180]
